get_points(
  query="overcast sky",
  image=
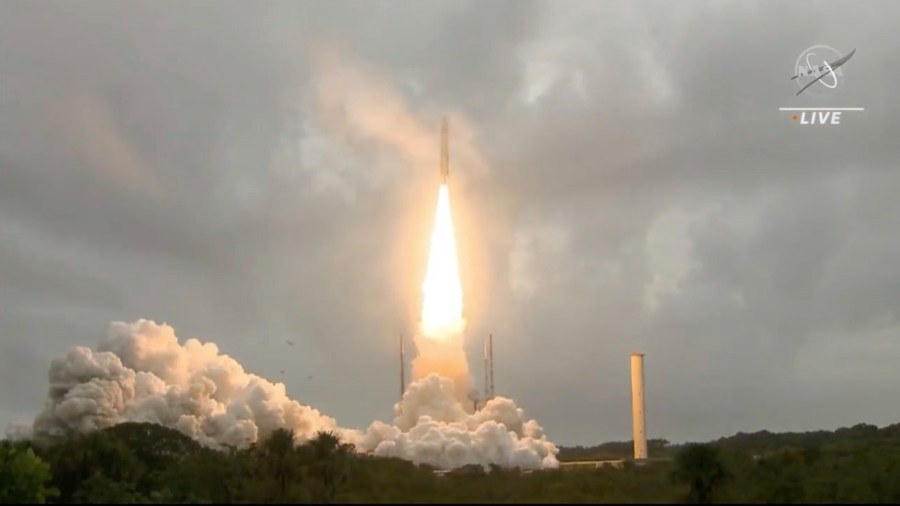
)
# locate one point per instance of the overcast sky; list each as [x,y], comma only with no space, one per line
[621,177]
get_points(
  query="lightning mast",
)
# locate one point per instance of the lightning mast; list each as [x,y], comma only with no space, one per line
[402,369]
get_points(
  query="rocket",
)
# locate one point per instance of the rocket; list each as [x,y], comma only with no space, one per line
[445,153]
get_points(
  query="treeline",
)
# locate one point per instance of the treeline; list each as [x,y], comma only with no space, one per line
[613,450]
[754,443]
[145,463]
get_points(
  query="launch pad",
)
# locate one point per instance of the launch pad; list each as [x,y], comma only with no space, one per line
[488,391]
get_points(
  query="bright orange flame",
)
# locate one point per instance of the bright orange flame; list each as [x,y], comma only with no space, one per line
[443,297]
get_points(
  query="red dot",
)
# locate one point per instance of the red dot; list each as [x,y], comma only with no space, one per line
[794,117]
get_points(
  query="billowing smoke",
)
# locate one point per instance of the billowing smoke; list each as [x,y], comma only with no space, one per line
[447,359]
[432,427]
[140,373]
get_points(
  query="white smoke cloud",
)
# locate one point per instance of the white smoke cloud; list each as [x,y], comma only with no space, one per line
[432,427]
[18,432]
[445,357]
[140,373]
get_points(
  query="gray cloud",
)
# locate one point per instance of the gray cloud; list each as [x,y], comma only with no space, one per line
[638,190]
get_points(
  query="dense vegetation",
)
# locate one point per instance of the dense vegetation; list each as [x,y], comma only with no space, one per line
[143,463]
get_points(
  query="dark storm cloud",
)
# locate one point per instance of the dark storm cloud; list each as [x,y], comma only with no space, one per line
[173,161]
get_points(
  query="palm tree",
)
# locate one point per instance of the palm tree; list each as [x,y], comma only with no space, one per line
[698,466]
[330,462]
[278,451]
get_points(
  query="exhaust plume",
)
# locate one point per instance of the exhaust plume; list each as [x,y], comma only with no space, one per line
[431,427]
[440,339]
[435,422]
[141,373]
[443,296]
[445,358]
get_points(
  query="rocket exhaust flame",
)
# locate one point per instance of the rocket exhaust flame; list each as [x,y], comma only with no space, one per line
[442,290]
[440,340]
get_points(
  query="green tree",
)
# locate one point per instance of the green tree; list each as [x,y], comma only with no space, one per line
[699,467]
[23,476]
[98,489]
[331,463]
[280,457]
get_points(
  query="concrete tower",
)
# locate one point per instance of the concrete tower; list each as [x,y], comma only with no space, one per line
[637,405]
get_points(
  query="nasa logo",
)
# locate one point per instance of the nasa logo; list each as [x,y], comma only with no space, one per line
[817,71]
[808,71]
